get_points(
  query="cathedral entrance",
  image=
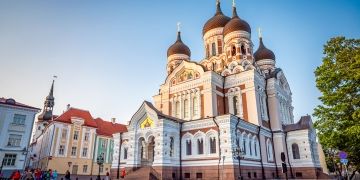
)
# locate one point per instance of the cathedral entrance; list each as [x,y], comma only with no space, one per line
[147,151]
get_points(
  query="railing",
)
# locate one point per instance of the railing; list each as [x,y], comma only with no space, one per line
[153,172]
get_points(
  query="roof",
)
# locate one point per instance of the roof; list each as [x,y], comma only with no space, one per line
[304,123]
[12,102]
[79,113]
[263,53]
[236,24]
[218,20]
[160,114]
[107,128]
[178,47]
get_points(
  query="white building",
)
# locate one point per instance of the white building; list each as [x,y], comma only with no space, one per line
[234,99]
[16,123]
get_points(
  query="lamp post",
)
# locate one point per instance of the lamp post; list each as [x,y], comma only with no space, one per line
[100,162]
[238,153]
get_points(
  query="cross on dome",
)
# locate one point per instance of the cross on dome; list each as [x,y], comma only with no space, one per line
[233,3]
[178,26]
[259,33]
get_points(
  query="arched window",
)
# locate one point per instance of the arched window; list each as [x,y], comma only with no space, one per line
[295,151]
[200,146]
[250,146]
[243,50]
[212,145]
[255,148]
[213,49]
[171,146]
[195,106]
[177,109]
[207,51]
[188,147]
[269,151]
[244,144]
[236,104]
[125,153]
[233,51]
[186,108]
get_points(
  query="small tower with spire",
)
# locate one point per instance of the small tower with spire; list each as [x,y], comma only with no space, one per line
[264,57]
[47,112]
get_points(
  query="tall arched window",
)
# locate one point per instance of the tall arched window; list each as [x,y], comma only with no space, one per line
[212,145]
[207,50]
[250,146]
[196,106]
[186,108]
[200,146]
[188,147]
[171,146]
[244,144]
[177,109]
[236,104]
[213,49]
[269,151]
[233,51]
[295,151]
[243,50]
[255,148]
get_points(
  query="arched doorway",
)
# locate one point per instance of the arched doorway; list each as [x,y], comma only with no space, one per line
[146,151]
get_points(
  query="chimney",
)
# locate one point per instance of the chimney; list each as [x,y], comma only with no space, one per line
[67,106]
[113,120]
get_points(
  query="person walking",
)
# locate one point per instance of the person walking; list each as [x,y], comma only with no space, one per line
[16,175]
[54,175]
[107,176]
[67,175]
[28,175]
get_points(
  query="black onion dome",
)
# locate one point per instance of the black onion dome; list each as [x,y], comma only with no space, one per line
[236,24]
[218,20]
[178,47]
[263,53]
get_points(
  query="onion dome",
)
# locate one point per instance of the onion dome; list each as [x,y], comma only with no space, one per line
[263,53]
[178,47]
[236,24]
[218,20]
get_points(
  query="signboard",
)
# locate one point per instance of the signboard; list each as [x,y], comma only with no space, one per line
[344,161]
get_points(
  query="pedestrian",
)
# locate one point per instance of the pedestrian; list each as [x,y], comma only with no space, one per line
[123,173]
[107,175]
[54,175]
[67,175]
[16,175]
[28,175]
[37,174]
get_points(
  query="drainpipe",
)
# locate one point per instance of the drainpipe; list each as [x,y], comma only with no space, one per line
[180,157]
[287,153]
[219,146]
[118,168]
[261,159]
[272,134]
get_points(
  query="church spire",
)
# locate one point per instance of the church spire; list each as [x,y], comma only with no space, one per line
[48,104]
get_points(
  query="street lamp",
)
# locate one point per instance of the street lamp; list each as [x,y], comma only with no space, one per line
[100,162]
[238,153]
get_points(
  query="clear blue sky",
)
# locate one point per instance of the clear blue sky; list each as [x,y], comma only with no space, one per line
[109,56]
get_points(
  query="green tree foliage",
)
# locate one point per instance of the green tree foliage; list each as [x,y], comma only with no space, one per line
[338,79]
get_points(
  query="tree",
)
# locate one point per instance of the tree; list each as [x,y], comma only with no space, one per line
[338,79]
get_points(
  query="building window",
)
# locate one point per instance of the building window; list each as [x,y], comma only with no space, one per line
[249,175]
[212,145]
[255,147]
[269,151]
[187,175]
[250,147]
[86,137]
[213,49]
[19,119]
[233,51]
[171,146]
[243,50]
[186,108]
[14,140]
[9,160]
[76,135]
[200,144]
[63,134]
[104,144]
[61,149]
[219,46]
[85,167]
[236,104]
[199,175]
[295,151]
[73,151]
[255,175]
[84,153]
[244,144]
[196,106]
[298,174]
[188,147]
[177,109]
[125,153]
[207,51]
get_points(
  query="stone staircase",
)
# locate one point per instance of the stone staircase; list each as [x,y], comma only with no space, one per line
[143,173]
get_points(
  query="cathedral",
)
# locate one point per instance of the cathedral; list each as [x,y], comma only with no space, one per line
[227,116]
